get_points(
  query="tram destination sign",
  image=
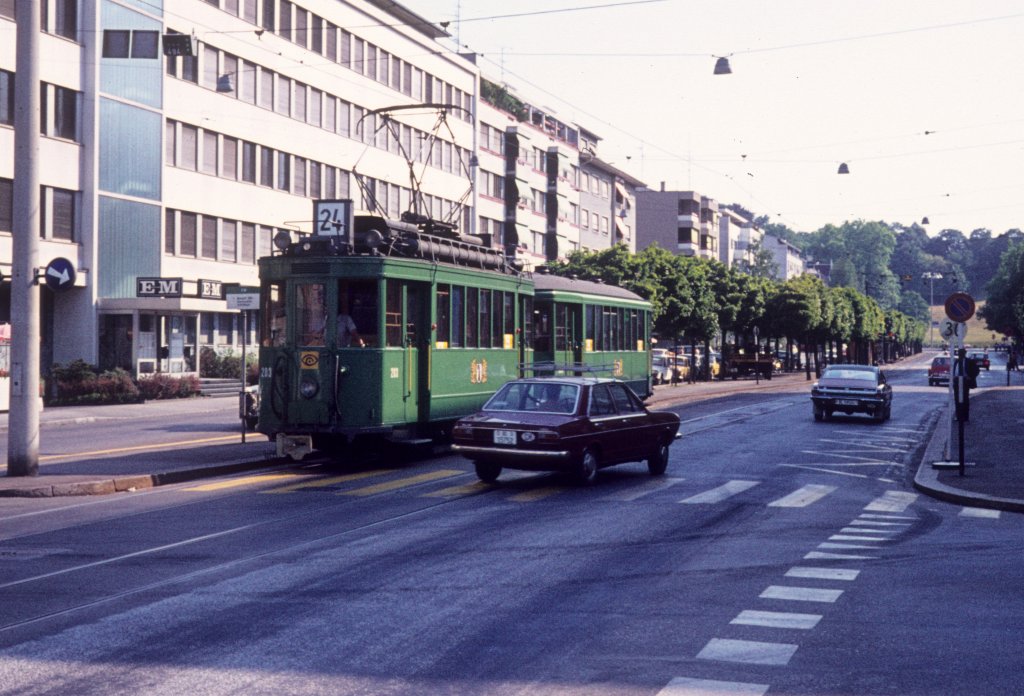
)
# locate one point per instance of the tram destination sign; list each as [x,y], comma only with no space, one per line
[333,218]
[960,306]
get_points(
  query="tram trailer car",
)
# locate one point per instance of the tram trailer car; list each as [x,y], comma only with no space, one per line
[441,322]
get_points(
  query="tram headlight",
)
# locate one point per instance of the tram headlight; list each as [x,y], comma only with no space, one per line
[308,387]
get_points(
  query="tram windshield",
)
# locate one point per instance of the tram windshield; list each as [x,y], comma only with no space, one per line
[311,309]
[357,300]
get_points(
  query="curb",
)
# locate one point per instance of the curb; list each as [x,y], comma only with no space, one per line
[926,479]
[124,484]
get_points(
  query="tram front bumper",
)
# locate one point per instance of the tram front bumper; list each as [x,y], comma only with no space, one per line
[294,446]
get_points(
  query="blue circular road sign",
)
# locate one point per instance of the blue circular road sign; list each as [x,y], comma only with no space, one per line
[960,306]
[59,275]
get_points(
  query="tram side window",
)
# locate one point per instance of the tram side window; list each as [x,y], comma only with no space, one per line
[598,329]
[561,327]
[443,315]
[472,317]
[458,307]
[527,320]
[311,307]
[510,317]
[542,330]
[485,318]
[393,315]
[274,316]
[358,300]
[496,320]
[590,338]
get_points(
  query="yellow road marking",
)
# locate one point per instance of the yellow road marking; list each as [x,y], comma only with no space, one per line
[536,494]
[136,448]
[402,483]
[324,482]
[244,481]
[457,491]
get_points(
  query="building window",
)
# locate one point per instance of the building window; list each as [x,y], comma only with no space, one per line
[268,15]
[248,249]
[60,112]
[6,97]
[266,95]
[283,171]
[116,43]
[187,238]
[209,152]
[283,104]
[208,246]
[229,158]
[228,242]
[170,143]
[266,166]
[248,162]
[168,231]
[187,157]
[65,19]
[284,20]
[6,205]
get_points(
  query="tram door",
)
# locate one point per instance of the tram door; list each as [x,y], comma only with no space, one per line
[417,352]
[568,334]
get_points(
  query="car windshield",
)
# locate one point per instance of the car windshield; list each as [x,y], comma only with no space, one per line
[940,362]
[841,373]
[542,397]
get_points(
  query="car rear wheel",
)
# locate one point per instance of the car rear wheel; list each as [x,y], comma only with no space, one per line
[586,470]
[658,462]
[488,472]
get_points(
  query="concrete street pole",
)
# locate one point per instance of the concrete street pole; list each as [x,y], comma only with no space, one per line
[23,436]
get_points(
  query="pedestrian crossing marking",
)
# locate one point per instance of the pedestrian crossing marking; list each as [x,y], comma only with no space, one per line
[851,537]
[717,495]
[822,573]
[824,556]
[980,512]
[403,482]
[777,619]
[876,523]
[536,494]
[688,686]
[461,491]
[828,545]
[803,497]
[870,516]
[891,501]
[639,491]
[326,482]
[243,481]
[868,530]
[801,594]
[747,651]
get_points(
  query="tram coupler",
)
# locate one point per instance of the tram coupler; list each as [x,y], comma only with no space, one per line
[294,446]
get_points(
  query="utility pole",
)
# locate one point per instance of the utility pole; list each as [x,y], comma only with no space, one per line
[931,276]
[23,438]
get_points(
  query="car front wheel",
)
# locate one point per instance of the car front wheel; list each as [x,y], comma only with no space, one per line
[658,462]
[488,472]
[586,470]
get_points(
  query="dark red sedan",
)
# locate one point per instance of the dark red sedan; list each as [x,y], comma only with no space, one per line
[572,424]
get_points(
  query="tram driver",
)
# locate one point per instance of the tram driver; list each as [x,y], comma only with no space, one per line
[348,334]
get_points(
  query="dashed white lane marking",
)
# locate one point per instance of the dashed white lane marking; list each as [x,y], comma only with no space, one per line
[717,495]
[800,594]
[979,512]
[811,493]
[687,686]
[870,516]
[859,461]
[891,501]
[777,619]
[822,573]
[636,492]
[823,556]
[747,651]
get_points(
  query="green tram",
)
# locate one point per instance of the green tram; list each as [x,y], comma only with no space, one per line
[409,326]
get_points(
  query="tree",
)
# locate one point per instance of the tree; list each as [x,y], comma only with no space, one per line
[1004,309]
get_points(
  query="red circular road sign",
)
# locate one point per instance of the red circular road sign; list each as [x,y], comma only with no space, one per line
[959,306]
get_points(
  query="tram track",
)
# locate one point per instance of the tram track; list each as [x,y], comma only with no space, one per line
[37,580]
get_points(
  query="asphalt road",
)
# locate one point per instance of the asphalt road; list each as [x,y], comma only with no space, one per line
[778,555]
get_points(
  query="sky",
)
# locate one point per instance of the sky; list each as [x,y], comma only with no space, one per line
[922,99]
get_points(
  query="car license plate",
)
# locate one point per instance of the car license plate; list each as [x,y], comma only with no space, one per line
[846,402]
[504,437]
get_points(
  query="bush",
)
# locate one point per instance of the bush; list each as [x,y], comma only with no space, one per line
[227,365]
[78,383]
[163,386]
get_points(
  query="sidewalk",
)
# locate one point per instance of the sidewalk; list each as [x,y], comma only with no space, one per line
[993,440]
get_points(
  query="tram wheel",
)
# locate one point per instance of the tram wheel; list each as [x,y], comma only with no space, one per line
[488,472]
